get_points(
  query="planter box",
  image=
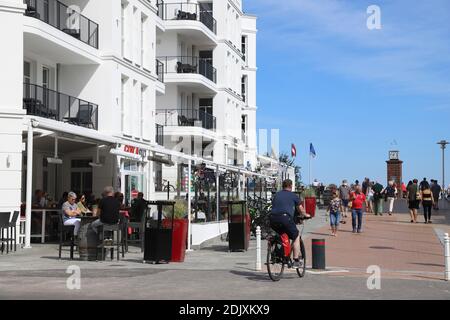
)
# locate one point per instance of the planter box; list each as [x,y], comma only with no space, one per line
[310,206]
[179,238]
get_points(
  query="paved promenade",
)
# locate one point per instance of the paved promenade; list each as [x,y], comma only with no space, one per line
[410,257]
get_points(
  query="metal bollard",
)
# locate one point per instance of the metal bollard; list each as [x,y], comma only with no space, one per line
[447,256]
[258,248]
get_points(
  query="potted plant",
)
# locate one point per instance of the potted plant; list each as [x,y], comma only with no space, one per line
[180,230]
[310,201]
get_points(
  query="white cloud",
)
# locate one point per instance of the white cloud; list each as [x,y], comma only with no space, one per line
[409,55]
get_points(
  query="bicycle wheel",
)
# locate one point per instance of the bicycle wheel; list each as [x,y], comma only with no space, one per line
[275,265]
[302,270]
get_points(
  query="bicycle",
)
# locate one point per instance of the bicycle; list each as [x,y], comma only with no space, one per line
[280,254]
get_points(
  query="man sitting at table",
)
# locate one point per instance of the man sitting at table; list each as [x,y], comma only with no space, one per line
[108,210]
[71,212]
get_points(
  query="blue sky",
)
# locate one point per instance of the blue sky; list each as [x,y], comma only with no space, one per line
[355,93]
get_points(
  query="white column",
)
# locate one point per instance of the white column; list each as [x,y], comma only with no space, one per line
[29,187]
[447,256]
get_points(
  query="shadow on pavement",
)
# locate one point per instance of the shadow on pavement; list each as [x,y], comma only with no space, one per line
[253,276]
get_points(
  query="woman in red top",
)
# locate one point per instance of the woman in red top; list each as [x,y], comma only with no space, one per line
[358,199]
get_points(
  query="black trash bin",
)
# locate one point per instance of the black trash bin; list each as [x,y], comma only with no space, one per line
[158,232]
[238,226]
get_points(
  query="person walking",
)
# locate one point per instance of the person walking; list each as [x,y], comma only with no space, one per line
[436,190]
[369,200]
[335,209]
[427,202]
[358,199]
[413,195]
[344,195]
[377,198]
[391,193]
[423,184]
[404,191]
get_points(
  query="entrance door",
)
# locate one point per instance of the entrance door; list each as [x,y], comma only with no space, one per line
[133,185]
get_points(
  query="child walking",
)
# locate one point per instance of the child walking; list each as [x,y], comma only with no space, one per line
[335,209]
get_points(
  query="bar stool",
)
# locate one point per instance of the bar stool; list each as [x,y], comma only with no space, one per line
[115,229]
[4,225]
[13,226]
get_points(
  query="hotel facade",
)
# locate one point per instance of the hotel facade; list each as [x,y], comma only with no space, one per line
[128,93]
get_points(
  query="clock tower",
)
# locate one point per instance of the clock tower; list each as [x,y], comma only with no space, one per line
[394,168]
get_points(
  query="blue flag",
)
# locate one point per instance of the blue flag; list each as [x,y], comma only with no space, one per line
[312,152]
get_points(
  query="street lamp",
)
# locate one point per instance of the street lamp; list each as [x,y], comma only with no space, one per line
[443,145]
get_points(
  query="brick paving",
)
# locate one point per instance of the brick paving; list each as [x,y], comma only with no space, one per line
[401,249]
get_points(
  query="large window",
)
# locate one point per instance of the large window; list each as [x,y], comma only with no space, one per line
[244,47]
[81,176]
[244,88]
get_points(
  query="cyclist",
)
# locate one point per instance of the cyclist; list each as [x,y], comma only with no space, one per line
[284,205]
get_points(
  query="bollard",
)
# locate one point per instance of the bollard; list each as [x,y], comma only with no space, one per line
[447,256]
[258,248]
[318,254]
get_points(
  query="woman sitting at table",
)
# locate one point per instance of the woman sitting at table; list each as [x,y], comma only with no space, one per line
[71,213]
[82,205]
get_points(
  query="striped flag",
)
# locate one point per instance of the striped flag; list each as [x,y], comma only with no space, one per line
[293,151]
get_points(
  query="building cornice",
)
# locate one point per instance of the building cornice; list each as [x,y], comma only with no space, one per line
[231,92]
[12,7]
[246,68]
[231,46]
[249,31]
[126,64]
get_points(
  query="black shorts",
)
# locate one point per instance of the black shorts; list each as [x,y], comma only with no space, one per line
[283,223]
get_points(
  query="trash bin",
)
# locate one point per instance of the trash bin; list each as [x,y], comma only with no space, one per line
[318,254]
[238,226]
[158,235]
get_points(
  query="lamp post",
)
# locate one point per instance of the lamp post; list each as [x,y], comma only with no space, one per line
[443,145]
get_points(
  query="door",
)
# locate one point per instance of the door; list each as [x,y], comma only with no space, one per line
[81,177]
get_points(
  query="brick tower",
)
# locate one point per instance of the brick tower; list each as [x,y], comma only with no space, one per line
[394,169]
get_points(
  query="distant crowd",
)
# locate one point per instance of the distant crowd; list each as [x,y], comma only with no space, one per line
[369,196]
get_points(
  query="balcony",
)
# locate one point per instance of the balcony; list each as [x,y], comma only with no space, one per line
[42,102]
[160,70]
[159,134]
[186,118]
[65,19]
[189,65]
[186,12]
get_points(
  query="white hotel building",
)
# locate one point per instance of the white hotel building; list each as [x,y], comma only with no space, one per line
[107,86]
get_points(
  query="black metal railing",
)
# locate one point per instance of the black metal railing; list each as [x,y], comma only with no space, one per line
[189,64]
[47,103]
[160,70]
[186,118]
[159,134]
[65,19]
[187,11]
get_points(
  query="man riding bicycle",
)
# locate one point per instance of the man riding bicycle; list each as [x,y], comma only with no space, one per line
[284,205]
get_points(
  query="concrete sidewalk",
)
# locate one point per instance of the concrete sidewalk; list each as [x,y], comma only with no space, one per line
[401,249]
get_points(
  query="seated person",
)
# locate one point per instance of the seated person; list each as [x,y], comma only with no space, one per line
[108,210]
[82,205]
[71,212]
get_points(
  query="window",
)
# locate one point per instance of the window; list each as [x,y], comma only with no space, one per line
[141,115]
[26,72]
[244,88]
[244,47]
[143,42]
[45,85]
[123,96]
[123,15]
[81,176]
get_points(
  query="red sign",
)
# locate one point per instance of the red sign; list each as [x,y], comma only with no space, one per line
[134,194]
[131,149]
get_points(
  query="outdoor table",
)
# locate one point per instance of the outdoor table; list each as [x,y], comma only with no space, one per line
[43,212]
[88,239]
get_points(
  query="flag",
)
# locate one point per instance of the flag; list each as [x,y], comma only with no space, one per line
[293,151]
[312,152]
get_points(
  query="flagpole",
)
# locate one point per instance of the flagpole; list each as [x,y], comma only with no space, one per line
[310,169]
